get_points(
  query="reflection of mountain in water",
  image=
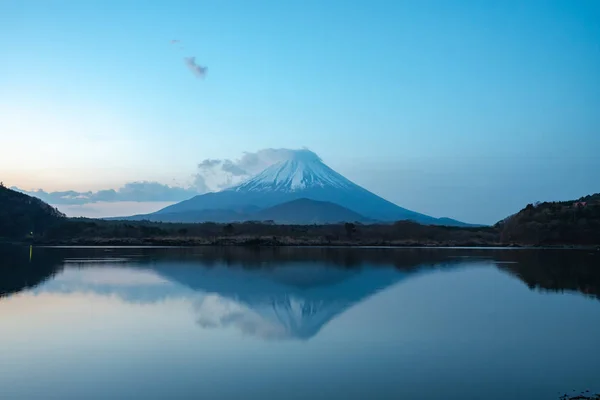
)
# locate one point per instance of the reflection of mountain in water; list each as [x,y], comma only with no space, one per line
[558,271]
[290,301]
[273,293]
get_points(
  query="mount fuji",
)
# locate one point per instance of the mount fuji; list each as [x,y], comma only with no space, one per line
[302,176]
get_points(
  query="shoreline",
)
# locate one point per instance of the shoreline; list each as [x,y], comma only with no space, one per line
[284,242]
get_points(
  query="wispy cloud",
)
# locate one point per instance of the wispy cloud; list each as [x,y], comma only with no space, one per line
[133,191]
[216,174]
[196,69]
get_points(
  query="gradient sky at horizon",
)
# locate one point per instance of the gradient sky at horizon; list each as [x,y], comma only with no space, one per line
[466,109]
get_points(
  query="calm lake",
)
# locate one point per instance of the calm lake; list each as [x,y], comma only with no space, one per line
[298,323]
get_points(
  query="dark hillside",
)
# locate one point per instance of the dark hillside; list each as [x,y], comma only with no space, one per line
[574,222]
[20,215]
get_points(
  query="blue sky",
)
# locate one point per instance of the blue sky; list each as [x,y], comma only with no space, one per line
[467,109]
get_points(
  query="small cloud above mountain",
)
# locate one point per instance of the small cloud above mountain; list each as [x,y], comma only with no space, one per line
[196,69]
[235,170]
[218,174]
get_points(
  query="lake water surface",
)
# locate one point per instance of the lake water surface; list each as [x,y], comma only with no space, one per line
[298,323]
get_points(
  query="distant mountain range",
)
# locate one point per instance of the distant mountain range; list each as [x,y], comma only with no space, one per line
[300,190]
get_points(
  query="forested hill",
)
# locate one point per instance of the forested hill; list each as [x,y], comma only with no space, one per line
[20,215]
[567,222]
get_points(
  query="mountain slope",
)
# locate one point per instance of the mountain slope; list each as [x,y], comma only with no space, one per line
[295,212]
[220,215]
[306,211]
[304,175]
[21,214]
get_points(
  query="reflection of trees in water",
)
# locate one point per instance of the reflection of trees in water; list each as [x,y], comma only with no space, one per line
[258,257]
[554,270]
[23,268]
[557,271]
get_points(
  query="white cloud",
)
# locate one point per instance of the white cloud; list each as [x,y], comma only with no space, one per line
[133,191]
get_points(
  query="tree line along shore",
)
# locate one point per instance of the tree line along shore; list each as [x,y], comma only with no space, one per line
[25,219]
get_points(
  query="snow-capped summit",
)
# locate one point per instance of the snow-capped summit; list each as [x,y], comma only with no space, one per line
[303,170]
